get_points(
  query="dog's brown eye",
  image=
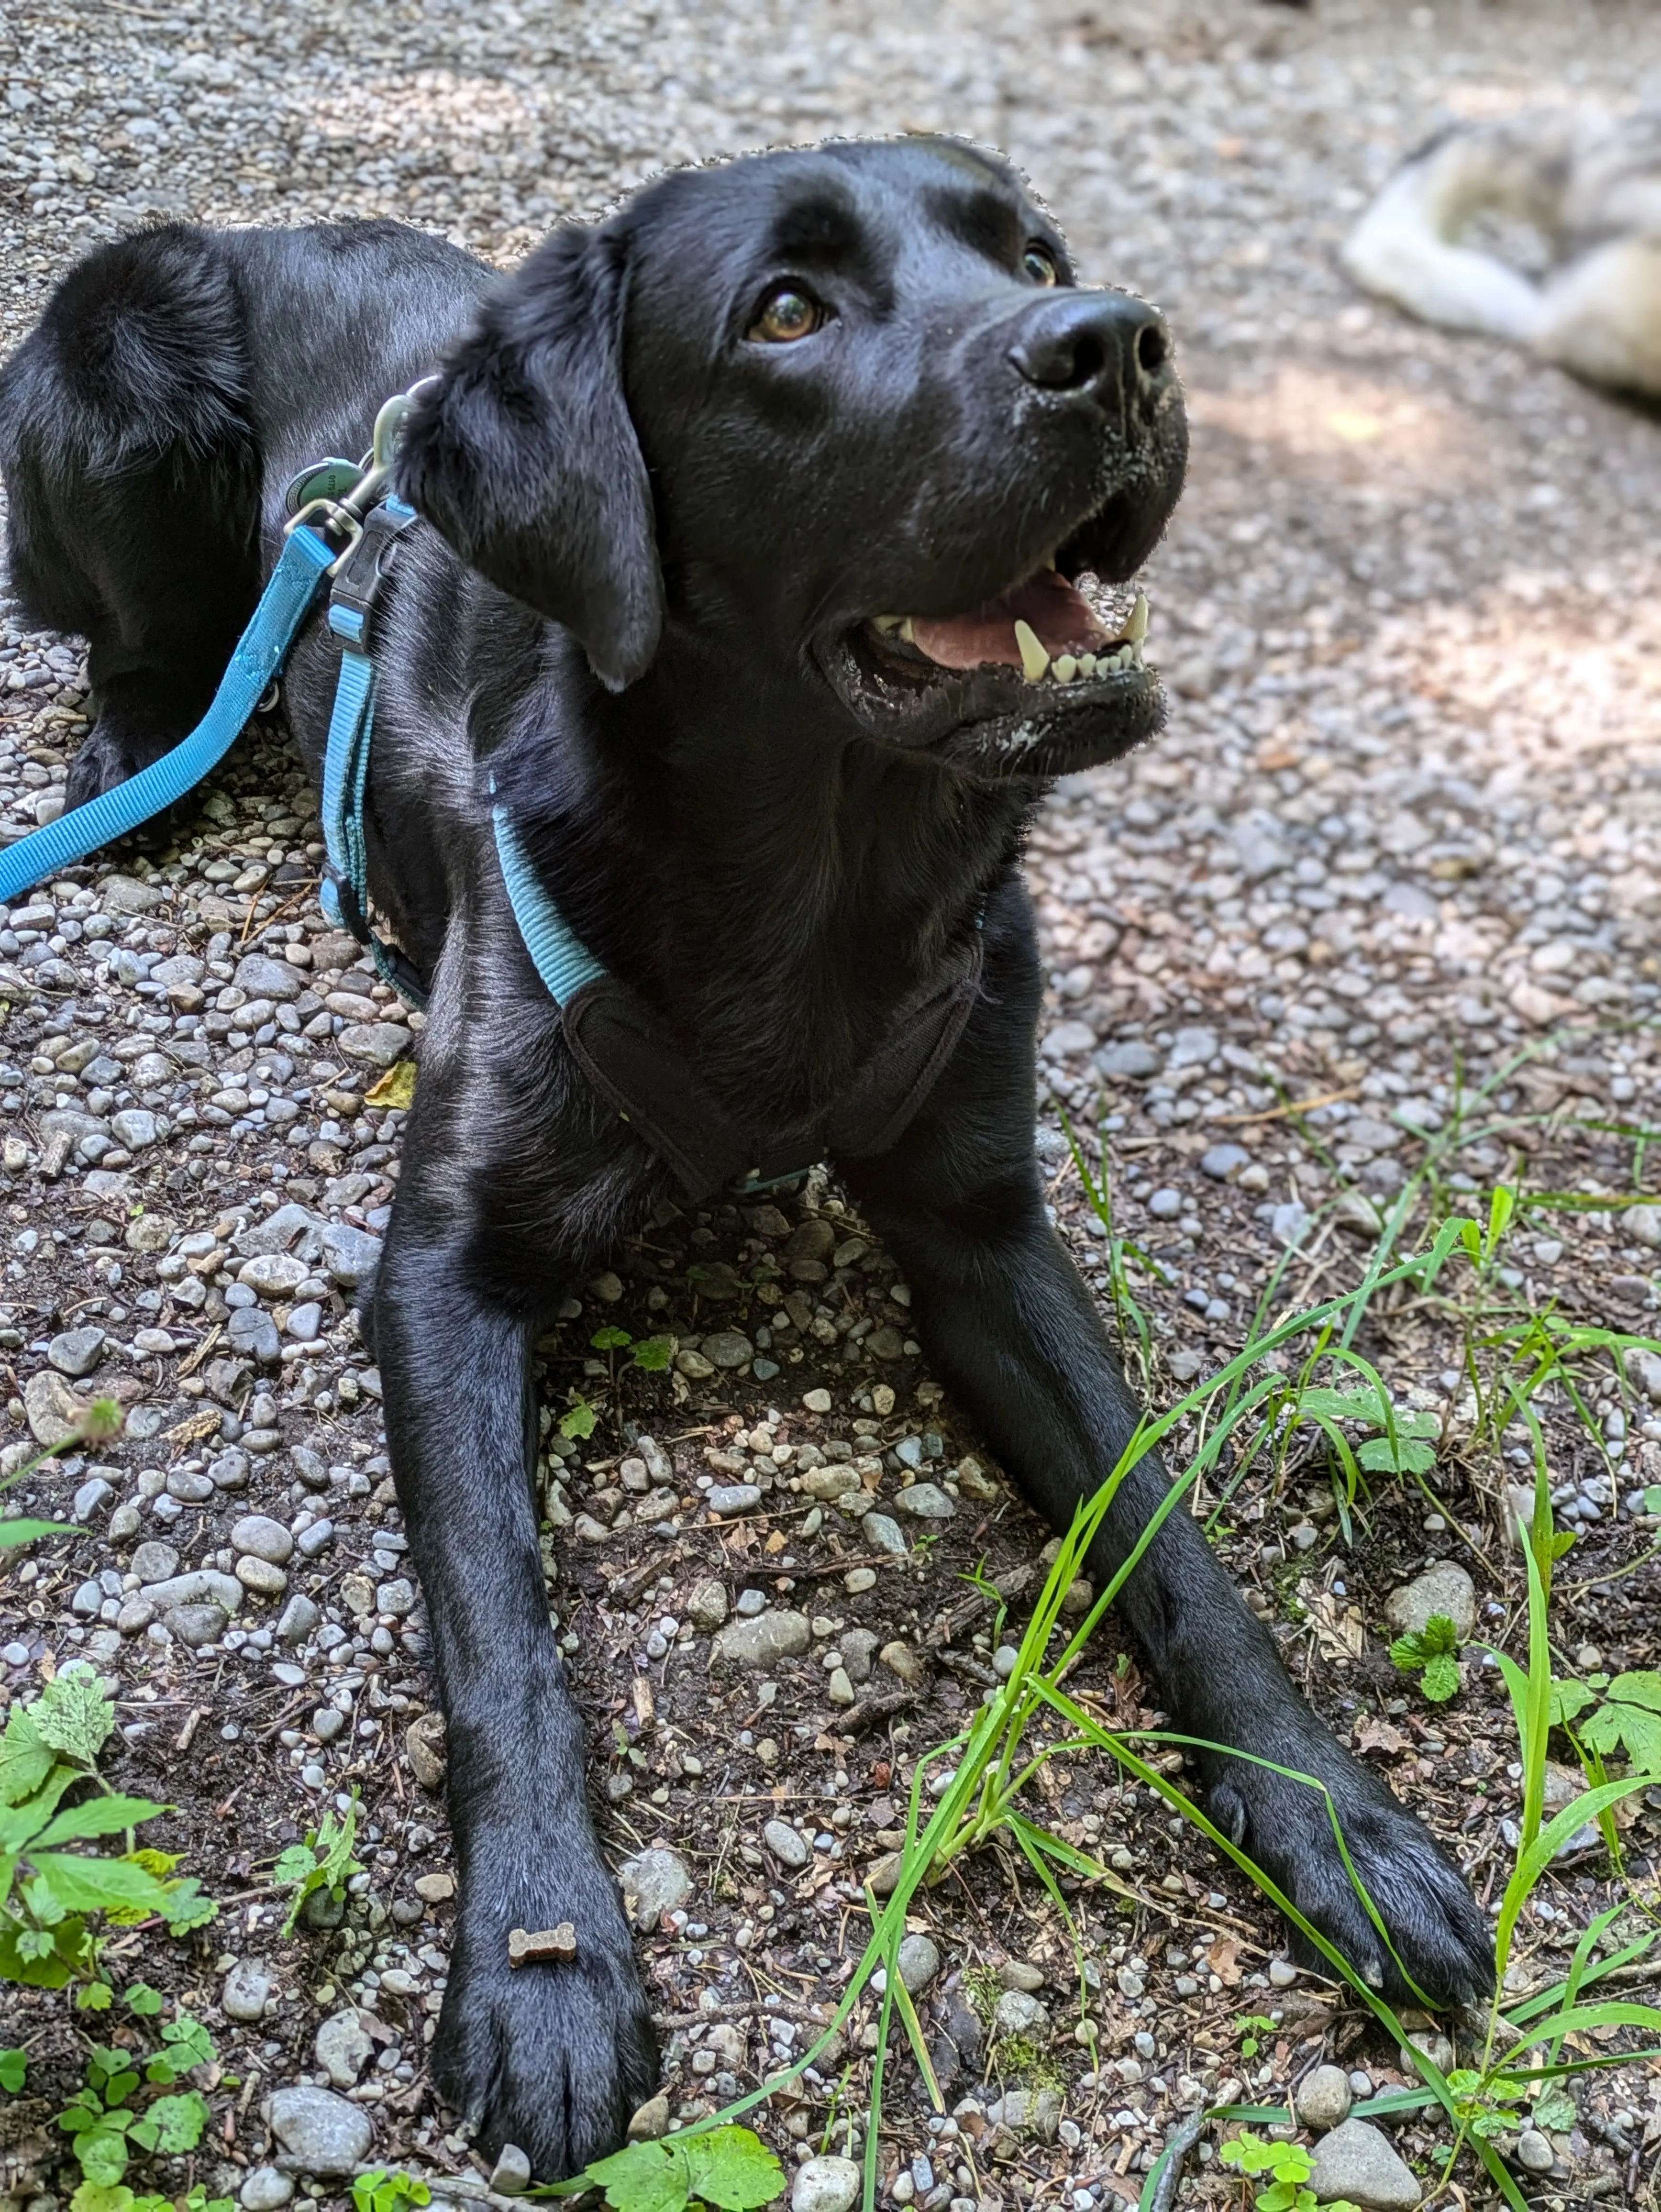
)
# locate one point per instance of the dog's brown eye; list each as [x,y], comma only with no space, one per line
[787,315]
[1039,263]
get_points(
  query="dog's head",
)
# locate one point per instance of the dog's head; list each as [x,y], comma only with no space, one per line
[845,418]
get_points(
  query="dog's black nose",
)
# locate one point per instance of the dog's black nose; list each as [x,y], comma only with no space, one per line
[1102,344]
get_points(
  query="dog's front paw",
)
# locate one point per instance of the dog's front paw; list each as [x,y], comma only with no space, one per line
[105,759]
[554,2056]
[1439,1935]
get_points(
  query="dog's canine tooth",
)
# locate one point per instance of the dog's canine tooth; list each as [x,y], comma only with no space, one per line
[1064,668]
[888,622]
[903,632]
[1035,660]
[1136,629]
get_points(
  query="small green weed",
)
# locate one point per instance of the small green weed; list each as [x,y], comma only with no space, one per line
[322,1862]
[579,1423]
[1625,1718]
[652,1354]
[105,2126]
[1291,2166]
[14,2069]
[1251,2027]
[384,2192]
[1486,2105]
[727,2167]
[100,1424]
[116,2196]
[1432,1653]
[49,1893]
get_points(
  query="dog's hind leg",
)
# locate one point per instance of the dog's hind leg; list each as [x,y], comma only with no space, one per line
[134,484]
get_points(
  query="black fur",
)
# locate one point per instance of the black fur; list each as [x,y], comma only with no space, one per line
[665,538]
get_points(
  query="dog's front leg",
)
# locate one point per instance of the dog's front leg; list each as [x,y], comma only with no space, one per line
[553,2057]
[1010,1328]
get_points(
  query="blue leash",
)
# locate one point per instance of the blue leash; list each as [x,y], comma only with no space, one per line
[254,665]
[376,522]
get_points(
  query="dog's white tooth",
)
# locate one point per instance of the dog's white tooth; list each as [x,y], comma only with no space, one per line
[1088,665]
[1136,629]
[888,622]
[1064,668]
[903,632]
[1034,659]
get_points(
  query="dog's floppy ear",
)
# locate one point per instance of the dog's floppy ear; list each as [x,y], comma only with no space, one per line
[523,457]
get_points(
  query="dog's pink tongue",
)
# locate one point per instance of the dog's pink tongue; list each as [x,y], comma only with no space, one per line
[1060,617]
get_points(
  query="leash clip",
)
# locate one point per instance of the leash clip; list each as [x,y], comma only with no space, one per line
[326,515]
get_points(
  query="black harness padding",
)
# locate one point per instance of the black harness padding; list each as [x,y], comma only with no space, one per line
[624,1054]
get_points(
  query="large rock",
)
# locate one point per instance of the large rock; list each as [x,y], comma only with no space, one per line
[76,1351]
[322,2133]
[1359,2162]
[925,1501]
[762,1641]
[788,1848]
[278,1232]
[125,895]
[706,1606]
[653,1882]
[247,1991]
[273,1274]
[350,1255]
[377,1044]
[1444,1589]
[825,2184]
[197,1586]
[1020,2013]
[884,1533]
[262,977]
[1323,2098]
[53,1410]
[343,2048]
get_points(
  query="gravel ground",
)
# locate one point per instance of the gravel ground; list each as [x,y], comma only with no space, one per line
[1405,824]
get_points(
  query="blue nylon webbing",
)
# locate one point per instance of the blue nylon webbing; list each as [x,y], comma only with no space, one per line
[345,779]
[558,955]
[258,656]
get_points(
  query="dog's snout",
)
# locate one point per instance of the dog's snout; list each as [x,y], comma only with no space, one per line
[1100,344]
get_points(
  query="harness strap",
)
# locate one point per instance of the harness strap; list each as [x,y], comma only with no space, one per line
[558,955]
[258,656]
[344,892]
[622,1049]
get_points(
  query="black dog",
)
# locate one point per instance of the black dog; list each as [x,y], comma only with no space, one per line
[753,518]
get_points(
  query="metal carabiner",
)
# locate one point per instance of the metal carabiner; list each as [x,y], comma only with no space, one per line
[336,515]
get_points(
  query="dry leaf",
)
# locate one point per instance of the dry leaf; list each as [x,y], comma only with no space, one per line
[395,1088]
[1379,1735]
[195,1427]
[1339,1632]
[1221,1959]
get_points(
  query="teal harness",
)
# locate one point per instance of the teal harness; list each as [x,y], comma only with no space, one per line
[345,526]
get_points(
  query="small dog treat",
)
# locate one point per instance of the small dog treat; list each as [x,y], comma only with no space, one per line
[530,1946]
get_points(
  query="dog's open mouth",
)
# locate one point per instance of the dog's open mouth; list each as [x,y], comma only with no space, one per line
[1047,677]
[1051,629]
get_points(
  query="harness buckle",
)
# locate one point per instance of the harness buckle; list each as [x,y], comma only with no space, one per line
[360,575]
